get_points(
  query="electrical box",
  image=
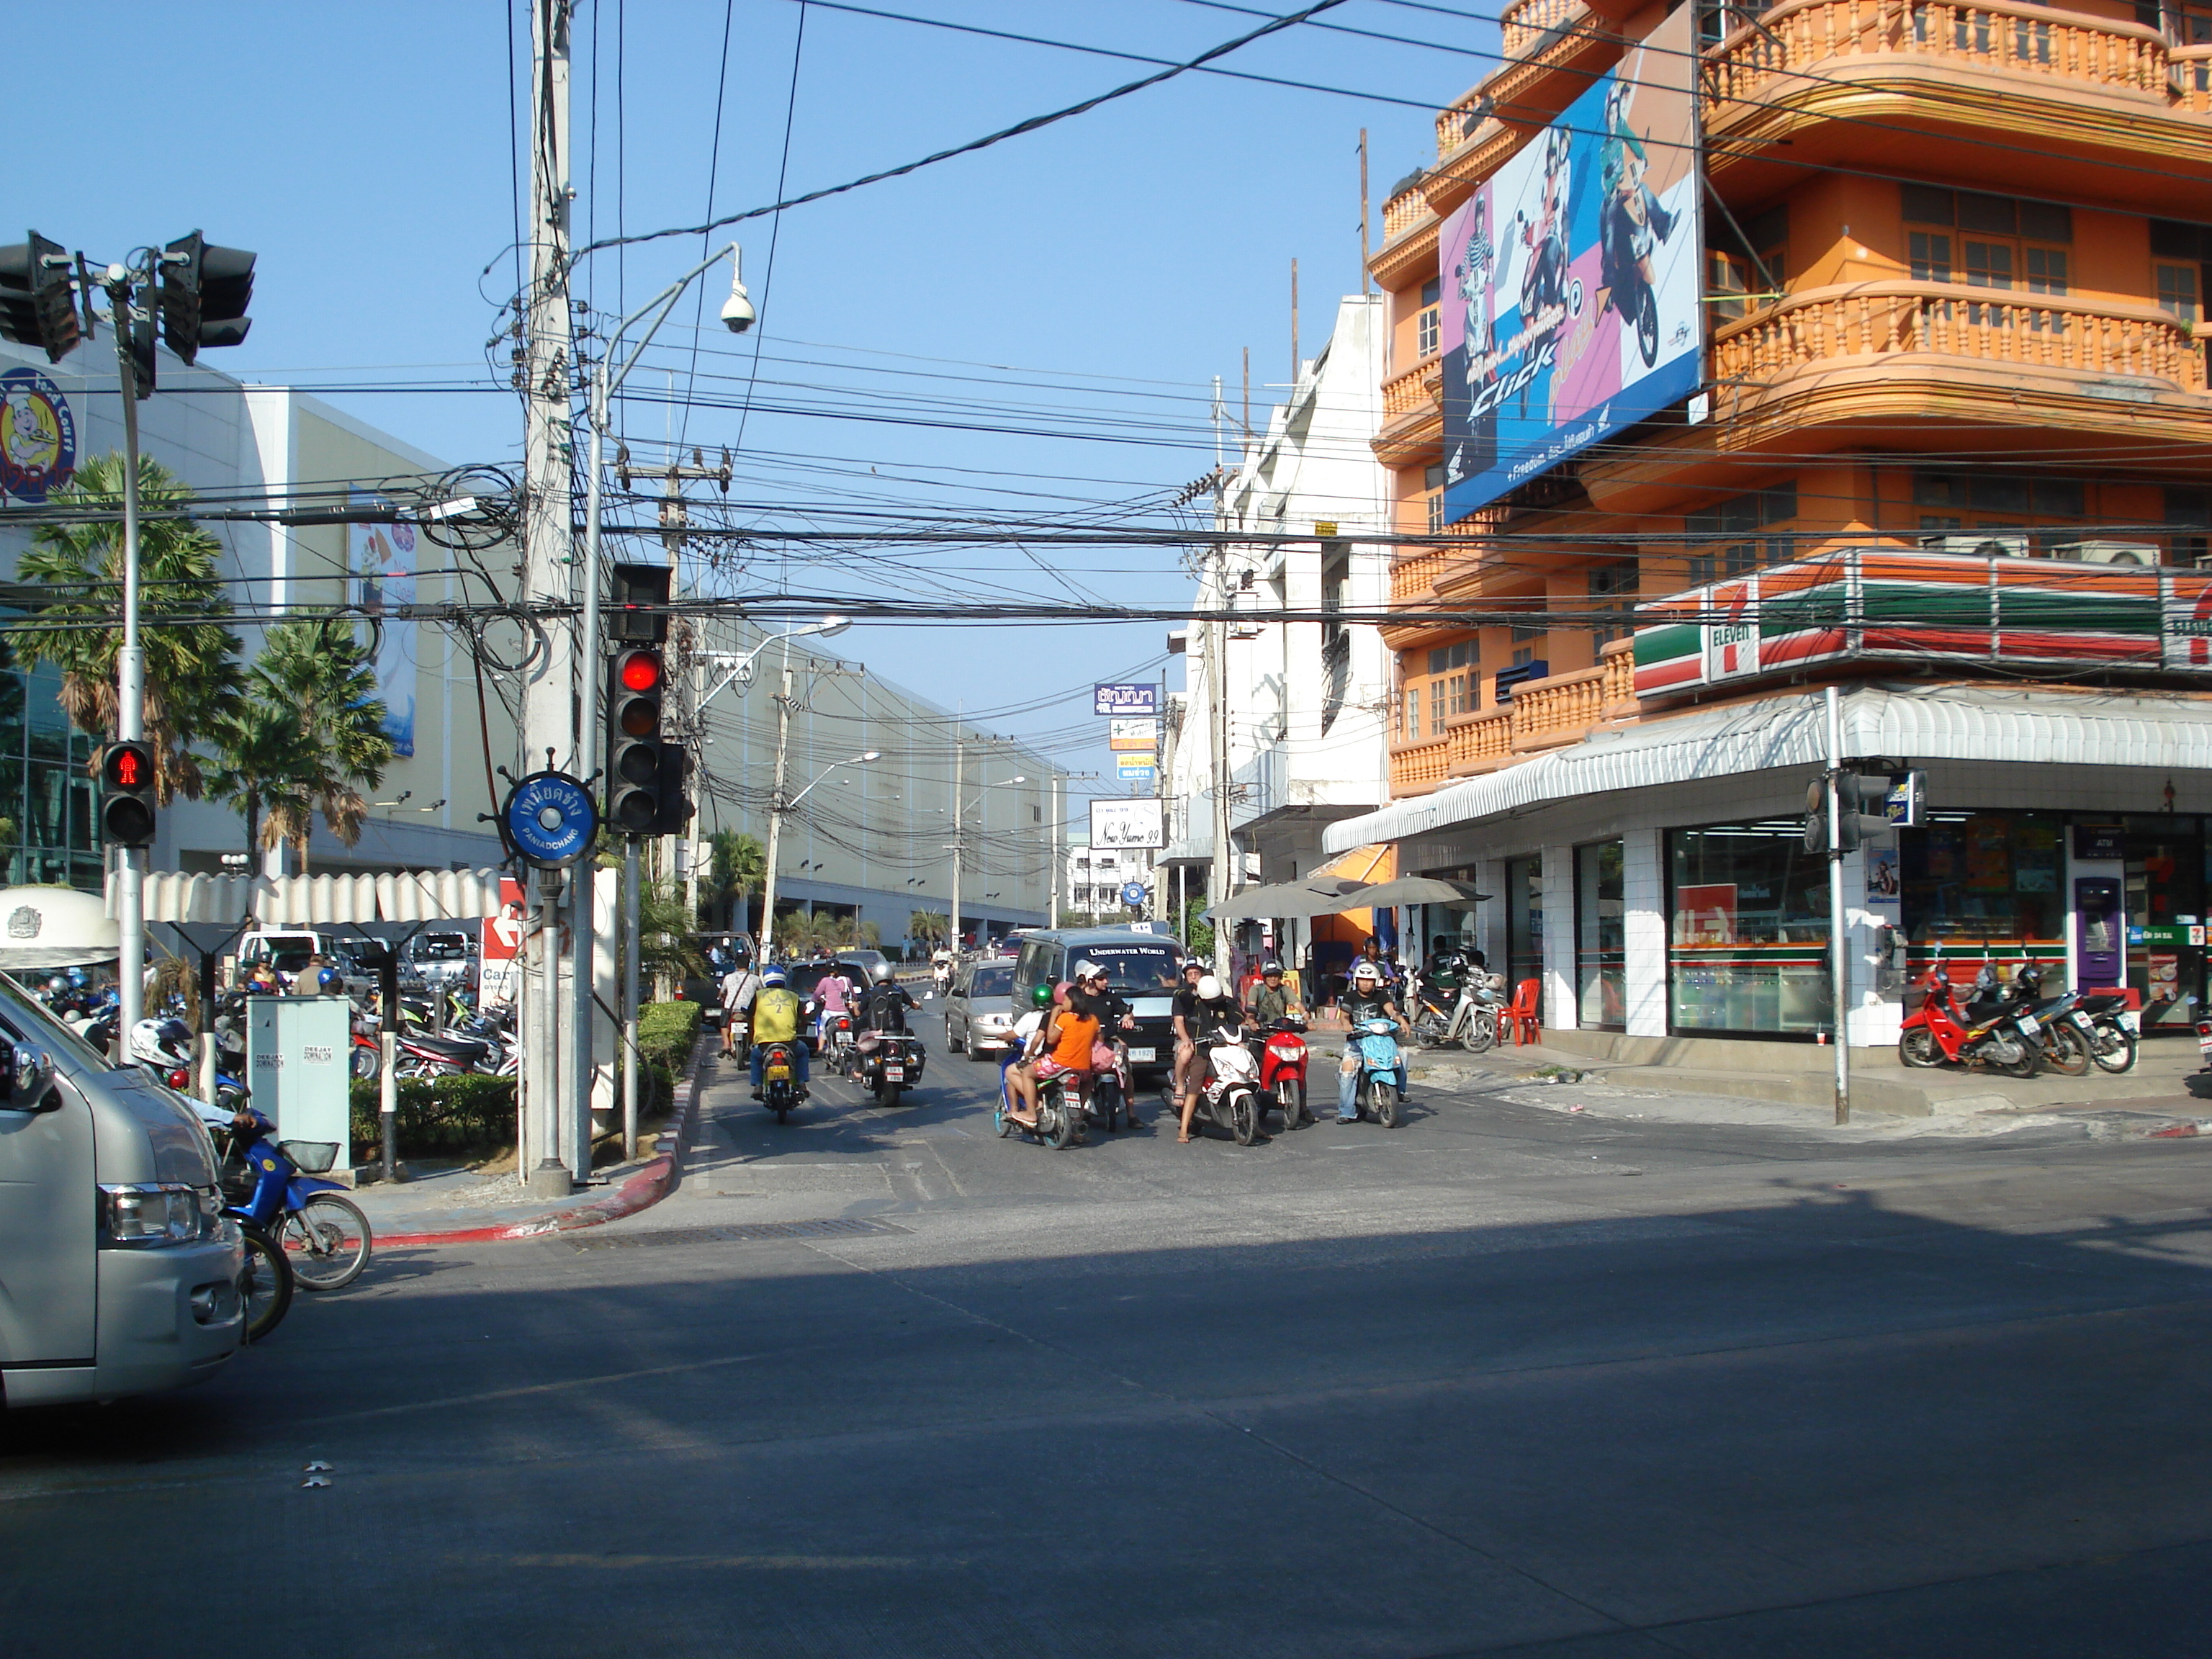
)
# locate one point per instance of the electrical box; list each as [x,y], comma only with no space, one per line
[298,1065]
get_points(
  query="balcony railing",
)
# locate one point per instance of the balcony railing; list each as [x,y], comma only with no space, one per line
[1414,576]
[1545,714]
[1418,390]
[2029,331]
[2022,39]
[1521,26]
[1401,213]
[2189,71]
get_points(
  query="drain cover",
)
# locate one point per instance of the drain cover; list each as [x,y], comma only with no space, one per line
[736,1233]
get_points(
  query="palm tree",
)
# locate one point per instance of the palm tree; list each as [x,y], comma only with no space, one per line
[192,676]
[927,925]
[311,730]
[736,866]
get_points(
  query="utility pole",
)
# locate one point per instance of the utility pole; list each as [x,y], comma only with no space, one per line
[959,851]
[1366,282]
[1052,853]
[130,681]
[551,717]
[1840,961]
[776,809]
[1295,359]
[1224,883]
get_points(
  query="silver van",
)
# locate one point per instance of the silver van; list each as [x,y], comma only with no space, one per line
[118,1272]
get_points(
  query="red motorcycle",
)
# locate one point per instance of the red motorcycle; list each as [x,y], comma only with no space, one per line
[1988,1032]
[1283,1071]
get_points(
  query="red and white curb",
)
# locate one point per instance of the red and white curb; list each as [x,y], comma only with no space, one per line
[654,1181]
[2182,1131]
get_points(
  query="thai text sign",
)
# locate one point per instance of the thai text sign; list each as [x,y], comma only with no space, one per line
[1125,699]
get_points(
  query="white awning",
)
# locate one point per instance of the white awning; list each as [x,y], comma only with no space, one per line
[1963,723]
[405,896]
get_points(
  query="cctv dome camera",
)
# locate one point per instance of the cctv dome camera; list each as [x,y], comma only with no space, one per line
[738,313]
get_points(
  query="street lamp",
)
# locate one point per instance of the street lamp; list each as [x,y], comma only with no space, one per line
[777,807]
[741,667]
[959,839]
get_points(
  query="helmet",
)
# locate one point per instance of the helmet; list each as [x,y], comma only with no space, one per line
[1268,968]
[1085,970]
[162,1042]
[331,982]
[1367,970]
[881,972]
[1041,995]
[1209,988]
[775,976]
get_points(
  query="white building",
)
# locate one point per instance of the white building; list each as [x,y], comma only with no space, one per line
[1307,700]
[1096,879]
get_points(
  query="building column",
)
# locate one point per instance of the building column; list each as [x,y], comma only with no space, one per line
[1490,916]
[1871,1020]
[1559,878]
[1644,922]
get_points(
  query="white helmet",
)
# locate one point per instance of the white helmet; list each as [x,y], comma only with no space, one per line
[162,1042]
[1209,988]
[1368,970]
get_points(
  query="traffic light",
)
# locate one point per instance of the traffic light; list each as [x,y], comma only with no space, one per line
[636,754]
[38,305]
[204,293]
[1862,800]
[639,603]
[142,355]
[126,805]
[672,789]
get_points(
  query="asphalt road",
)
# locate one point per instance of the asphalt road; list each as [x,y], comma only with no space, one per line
[1502,1381]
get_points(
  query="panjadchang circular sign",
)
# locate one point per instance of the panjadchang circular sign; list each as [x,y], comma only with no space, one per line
[38,437]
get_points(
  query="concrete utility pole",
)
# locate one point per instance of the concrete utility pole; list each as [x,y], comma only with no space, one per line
[1052,851]
[959,853]
[130,681]
[1225,883]
[560,1120]
[776,809]
[1366,282]
[1839,958]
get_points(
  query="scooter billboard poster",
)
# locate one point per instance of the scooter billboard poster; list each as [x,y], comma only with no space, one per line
[1570,278]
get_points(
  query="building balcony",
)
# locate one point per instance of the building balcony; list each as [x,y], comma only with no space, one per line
[1866,79]
[1545,714]
[1413,415]
[1413,575]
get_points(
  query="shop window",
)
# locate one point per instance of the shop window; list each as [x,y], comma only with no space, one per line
[1601,937]
[1746,943]
[1986,884]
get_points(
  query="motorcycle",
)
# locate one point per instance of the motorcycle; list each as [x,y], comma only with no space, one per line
[779,1089]
[1471,1020]
[273,1185]
[2001,1036]
[2113,1028]
[367,1055]
[885,1063]
[1109,1091]
[1628,239]
[2066,1033]
[1376,1042]
[1059,1116]
[1283,1071]
[1231,1093]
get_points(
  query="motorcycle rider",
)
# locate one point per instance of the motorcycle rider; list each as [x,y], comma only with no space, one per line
[1185,1012]
[1015,1076]
[832,994]
[1448,968]
[776,1019]
[1213,1009]
[162,1046]
[1368,999]
[883,1006]
[739,986]
[1093,994]
[1271,999]
[1061,1048]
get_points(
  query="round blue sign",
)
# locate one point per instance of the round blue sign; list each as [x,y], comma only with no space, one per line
[1132,893]
[551,819]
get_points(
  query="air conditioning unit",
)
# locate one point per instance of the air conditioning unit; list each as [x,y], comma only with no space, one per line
[1977,547]
[2107,552]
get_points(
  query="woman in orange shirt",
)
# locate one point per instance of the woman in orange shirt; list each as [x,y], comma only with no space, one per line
[1062,1048]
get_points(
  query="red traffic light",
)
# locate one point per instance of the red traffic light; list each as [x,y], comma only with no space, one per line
[127,765]
[639,670]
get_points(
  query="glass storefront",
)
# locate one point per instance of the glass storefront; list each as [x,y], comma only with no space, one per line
[47,828]
[1601,937]
[1977,886]
[2165,901]
[1524,921]
[1748,932]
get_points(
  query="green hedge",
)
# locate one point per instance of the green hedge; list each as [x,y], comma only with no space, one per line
[438,1115]
[666,1033]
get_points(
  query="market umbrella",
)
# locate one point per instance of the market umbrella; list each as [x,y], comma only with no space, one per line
[1413,890]
[1316,896]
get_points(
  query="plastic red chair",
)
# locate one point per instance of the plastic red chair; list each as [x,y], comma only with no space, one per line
[1525,1013]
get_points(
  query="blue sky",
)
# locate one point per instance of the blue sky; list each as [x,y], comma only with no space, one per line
[364,152]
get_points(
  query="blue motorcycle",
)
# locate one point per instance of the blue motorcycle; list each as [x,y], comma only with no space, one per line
[1376,1043]
[321,1233]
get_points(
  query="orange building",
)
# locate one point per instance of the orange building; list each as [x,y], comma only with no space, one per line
[1953,268]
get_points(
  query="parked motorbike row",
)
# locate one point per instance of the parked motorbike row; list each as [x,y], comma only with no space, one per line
[2015,1029]
[1245,1075]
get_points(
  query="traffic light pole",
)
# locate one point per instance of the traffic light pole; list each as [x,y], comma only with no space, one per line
[1840,961]
[130,686]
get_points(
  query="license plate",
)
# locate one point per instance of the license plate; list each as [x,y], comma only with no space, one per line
[779,1074]
[1140,1056]
[2028,1026]
[894,1073]
[2131,1018]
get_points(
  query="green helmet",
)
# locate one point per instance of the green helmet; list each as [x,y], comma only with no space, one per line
[1041,995]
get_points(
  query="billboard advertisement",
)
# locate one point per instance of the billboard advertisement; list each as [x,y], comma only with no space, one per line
[1571,279]
[1125,699]
[1139,825]
[1133,735]
[381,557]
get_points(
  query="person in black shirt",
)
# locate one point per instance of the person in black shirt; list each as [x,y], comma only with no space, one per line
[1185,1010]
[1368,999]
[1090,994]
[883,1004]
[1211,1010]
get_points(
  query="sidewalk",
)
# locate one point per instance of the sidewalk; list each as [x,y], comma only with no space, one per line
[2167,1088]
[460,1206]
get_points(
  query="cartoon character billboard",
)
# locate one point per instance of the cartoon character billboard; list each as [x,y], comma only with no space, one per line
[1571,279]
[382,558]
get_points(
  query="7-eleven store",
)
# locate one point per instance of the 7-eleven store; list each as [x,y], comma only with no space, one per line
[1652,873]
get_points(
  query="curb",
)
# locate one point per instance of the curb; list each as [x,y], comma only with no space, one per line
[2181,1131]
[654,1181]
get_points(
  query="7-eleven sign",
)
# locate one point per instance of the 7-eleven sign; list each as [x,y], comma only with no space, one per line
[1731,630]
[501,947]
